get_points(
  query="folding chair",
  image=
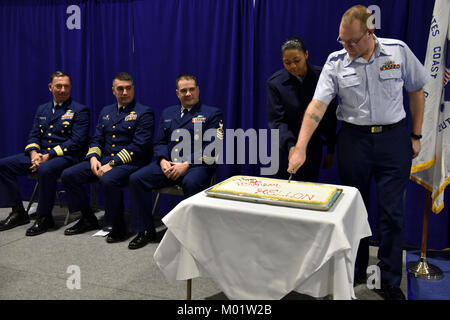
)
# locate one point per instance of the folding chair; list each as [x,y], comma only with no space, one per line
[95,190]
[176,190]
[33,196]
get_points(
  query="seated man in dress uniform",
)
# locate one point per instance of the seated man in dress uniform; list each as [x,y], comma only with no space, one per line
[193,172]
[122,144]
[56,141]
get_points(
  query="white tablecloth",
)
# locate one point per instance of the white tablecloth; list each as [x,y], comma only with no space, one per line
[259,251]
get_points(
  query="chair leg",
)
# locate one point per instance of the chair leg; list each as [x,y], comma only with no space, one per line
[189,289]
[156,204]
[33,195]
[58,195]
[66,221]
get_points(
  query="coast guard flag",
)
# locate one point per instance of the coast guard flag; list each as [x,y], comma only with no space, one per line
[431,168]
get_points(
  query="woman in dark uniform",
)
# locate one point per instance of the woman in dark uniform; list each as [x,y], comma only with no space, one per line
[289,92]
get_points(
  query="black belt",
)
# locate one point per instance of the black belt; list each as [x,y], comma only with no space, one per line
[375,129]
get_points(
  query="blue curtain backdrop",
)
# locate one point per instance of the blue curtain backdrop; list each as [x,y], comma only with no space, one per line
[232,47]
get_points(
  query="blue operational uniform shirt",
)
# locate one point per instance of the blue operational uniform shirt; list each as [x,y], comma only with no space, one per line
[371,92]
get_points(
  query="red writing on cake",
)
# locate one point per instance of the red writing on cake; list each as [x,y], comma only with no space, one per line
[251,182]
[280,194]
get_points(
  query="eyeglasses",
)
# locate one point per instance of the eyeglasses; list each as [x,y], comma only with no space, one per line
[350,43]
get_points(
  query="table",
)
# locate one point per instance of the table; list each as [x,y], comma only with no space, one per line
[261,251]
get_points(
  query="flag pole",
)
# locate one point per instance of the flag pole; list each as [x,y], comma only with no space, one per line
[422,269]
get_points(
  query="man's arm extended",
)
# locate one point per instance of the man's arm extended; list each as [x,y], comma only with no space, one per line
[313,114]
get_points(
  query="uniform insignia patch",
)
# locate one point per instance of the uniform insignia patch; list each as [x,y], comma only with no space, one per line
[68,115]
[389,65]
[220,131]
[132,116]
[199,118]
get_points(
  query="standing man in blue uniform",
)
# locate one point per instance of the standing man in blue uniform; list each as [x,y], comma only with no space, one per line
[56,141]
[289,92]
[122,144]
[369,75]
[193,176]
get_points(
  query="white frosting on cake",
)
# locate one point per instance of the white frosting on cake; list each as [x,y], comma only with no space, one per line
[293,191]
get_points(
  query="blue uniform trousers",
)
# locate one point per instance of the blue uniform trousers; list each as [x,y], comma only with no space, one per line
[386,157]
[47,174]
[151,177]
[111,184]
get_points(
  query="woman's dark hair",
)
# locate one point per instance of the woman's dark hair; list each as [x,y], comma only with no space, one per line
[293,43]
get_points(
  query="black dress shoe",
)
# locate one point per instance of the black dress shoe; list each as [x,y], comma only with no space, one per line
[13,220]
[389,292]
[142,239]
[41,225]
[83,225]
[116,235]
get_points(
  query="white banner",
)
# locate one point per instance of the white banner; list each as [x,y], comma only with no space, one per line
[431,168]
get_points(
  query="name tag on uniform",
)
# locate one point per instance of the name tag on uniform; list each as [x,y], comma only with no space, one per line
[200,119]
[68,115]
[43,118]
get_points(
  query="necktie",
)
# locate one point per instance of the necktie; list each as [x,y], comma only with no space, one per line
[56,106]
[183,111]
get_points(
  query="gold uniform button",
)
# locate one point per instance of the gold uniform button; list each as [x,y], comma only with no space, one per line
[113,146]
[65,149]
[49,141]
[112,154]
[131,153]
[129,128]
[51,127]
[113,136]
[113,127]
[175,159]
[177,140]
[49,134]
[178,130]
[49,148]
[62,131]
[176,150]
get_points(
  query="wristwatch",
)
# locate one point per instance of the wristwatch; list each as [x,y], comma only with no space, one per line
[416,136]
[112,163]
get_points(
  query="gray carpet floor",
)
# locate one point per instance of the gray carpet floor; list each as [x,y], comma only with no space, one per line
[37,268]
